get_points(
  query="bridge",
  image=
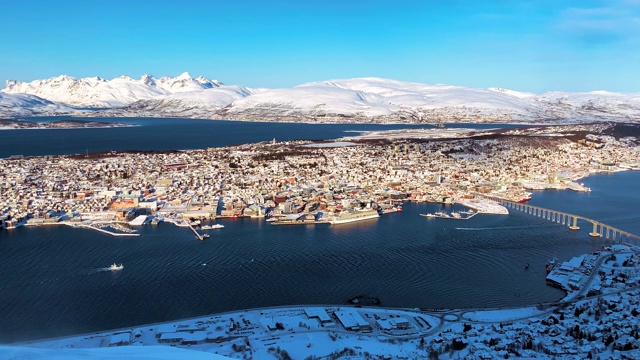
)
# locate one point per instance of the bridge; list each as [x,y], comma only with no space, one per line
[570,220]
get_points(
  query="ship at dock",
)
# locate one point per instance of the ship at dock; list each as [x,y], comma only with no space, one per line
[455,215]
[348,216]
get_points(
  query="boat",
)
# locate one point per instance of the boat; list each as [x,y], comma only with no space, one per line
[551,265]
[399,208]
[353,216]
[272,219]
[429,215]
[205,236]
[115,267]
[207,227]
[155,221]
[525,198]
[216,226]
[195,223]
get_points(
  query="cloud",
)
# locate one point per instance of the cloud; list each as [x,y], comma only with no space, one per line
[603,23]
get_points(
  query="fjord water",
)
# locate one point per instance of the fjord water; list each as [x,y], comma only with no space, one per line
[53,281]
[177,134]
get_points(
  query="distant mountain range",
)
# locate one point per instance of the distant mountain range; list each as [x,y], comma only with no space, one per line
[347,100]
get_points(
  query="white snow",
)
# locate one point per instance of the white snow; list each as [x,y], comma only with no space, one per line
[502,315]
[26,105]
[375,96]
[101,93]
[362,98]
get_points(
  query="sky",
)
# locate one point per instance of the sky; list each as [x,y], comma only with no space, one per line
[535,46]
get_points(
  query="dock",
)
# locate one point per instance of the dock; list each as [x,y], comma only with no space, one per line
[200,237]
[102,230]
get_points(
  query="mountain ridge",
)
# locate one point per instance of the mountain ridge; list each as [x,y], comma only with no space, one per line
[368,99]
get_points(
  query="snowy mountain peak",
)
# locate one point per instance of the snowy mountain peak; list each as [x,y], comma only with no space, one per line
[513,93]
[64,78]
[184,76]
[148,79]
[97,92]
[125,77]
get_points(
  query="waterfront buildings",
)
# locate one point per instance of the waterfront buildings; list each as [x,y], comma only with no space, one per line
[293,177]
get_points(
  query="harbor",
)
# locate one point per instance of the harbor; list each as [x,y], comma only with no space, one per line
[358,257]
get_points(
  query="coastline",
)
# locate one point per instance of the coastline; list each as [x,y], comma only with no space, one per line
[290,327]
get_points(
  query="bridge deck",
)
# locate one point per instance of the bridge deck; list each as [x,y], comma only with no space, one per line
[596,223]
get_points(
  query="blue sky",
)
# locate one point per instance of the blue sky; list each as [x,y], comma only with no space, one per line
[536,46]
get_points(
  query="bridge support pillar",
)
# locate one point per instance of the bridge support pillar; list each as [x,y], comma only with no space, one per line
[574,225]
[595,232]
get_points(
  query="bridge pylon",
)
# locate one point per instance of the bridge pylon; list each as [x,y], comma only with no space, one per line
[574,225]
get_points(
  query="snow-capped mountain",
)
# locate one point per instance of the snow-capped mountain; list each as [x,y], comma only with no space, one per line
[376,98]
[29,105]
[353,100]
[383,100]
[96,92]
[191,104]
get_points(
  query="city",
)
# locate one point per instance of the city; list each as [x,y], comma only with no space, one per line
[299,177]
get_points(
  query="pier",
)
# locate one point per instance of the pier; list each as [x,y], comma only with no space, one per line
[200,237]
[570,220]
[103,230]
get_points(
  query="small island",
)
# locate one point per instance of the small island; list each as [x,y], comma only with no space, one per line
[8,124]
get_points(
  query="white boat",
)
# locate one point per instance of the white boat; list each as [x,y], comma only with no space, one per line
[115,267]
[207,227]
[429,215]
[217,226]
[271,219]
[358,215]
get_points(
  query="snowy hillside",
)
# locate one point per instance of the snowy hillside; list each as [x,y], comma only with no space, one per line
[191,104]
[371,98]
[29,105]
[346,100]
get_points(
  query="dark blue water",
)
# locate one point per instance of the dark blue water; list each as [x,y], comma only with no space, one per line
[176,134]
[614,200]
[52,281]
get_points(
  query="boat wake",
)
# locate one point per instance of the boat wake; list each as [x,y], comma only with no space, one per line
[497,228]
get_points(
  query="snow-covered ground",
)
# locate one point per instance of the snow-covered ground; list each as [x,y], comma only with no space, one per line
[343,100]
[12,105]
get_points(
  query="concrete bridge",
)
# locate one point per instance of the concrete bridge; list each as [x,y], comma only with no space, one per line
[570,220]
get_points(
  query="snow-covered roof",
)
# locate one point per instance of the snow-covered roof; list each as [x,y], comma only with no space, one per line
[350,318]
[193,336]
[121,338]
[317,312]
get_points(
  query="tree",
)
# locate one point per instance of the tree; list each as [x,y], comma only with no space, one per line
[609,340]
